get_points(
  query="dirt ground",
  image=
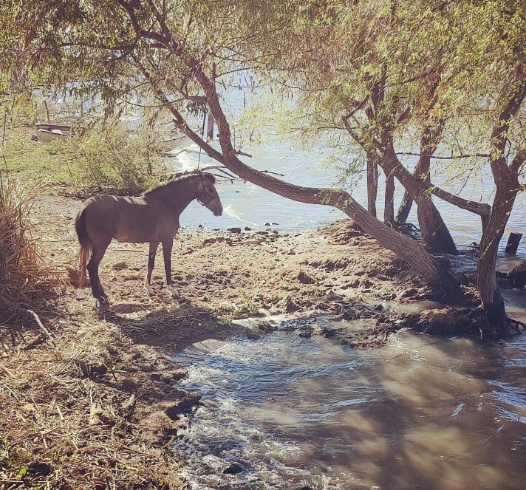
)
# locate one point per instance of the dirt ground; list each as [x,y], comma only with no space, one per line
[97,405]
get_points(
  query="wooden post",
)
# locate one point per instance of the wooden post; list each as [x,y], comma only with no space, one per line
[513,243]
[210,127]
[47,112]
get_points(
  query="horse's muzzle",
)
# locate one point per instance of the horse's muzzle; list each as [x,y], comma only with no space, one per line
[215,206]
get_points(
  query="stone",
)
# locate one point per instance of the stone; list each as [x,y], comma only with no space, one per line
[304,278]
[233,469]
[119,266]
[234,230]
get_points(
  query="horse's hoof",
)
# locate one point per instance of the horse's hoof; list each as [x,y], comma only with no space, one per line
[103,302]
[174,292]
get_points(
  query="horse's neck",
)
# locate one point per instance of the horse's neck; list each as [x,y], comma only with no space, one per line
[177,197]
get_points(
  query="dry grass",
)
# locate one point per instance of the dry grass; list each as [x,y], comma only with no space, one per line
[22,270]
[74,416]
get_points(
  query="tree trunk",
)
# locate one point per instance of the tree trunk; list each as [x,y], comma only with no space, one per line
[517,275]
[389,200]
[506,178]
[210,127]
[490,296]
[405,208]
[428,145]
[372,184]
[415,254]
[435,233]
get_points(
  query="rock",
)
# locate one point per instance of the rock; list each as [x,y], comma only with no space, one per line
[267,224]
[98,416]
[185,405]
[265,327]
[129,405]
[119,266]
[291,307]
[247,228]
[233,469]
[304,278]
[234,230]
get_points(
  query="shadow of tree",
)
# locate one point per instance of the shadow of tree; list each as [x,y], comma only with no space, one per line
[171,328]
[425,418]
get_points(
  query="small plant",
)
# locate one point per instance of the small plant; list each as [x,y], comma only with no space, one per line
[244,310]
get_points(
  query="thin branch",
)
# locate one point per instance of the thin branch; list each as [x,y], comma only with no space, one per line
[437,157]
[13,307]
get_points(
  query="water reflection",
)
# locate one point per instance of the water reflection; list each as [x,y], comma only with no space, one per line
[418,413]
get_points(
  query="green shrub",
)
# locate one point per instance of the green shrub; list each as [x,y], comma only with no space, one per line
[114,160]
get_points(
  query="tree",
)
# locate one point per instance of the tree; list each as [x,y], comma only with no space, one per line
[439,69]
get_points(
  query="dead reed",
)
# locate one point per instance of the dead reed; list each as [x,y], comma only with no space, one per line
[22,270]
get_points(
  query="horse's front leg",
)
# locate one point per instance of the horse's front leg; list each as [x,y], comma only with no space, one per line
[167,254]
[151,263]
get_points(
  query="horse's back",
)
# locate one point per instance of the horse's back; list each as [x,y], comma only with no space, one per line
[128,219]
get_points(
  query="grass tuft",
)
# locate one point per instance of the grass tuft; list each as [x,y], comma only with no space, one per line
[22,270]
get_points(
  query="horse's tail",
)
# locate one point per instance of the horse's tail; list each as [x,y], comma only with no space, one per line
[86,245]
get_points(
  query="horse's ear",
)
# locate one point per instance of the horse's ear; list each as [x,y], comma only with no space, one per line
[211,177]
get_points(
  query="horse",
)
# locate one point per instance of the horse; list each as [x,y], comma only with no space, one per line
[152,217]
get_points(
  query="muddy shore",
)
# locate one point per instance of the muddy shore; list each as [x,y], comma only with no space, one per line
[98,406]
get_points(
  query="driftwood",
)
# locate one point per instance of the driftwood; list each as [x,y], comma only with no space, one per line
[15,308]
[517,275]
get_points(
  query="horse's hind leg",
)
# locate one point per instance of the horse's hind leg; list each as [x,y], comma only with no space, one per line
[93,270]
[151,263]
[167,254]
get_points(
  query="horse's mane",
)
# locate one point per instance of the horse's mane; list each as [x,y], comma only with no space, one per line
[176,179]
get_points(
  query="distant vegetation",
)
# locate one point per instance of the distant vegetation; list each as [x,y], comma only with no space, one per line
[92,161]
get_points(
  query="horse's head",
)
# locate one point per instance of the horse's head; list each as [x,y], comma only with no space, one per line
[206,193]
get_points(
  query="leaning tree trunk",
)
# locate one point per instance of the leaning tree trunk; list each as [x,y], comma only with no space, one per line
[415,254]
[435,234]
[405,208]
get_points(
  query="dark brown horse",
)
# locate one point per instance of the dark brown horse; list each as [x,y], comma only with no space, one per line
[152,217]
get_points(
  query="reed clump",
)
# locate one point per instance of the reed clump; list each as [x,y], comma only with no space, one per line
[22,270]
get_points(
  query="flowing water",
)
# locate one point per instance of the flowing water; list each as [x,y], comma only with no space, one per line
[421,412]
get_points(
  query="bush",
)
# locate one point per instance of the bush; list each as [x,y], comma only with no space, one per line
[114,160]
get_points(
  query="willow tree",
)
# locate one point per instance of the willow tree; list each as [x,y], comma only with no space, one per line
[179,53]
[447,75]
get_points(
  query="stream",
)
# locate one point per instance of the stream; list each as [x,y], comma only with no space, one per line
[421,412]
